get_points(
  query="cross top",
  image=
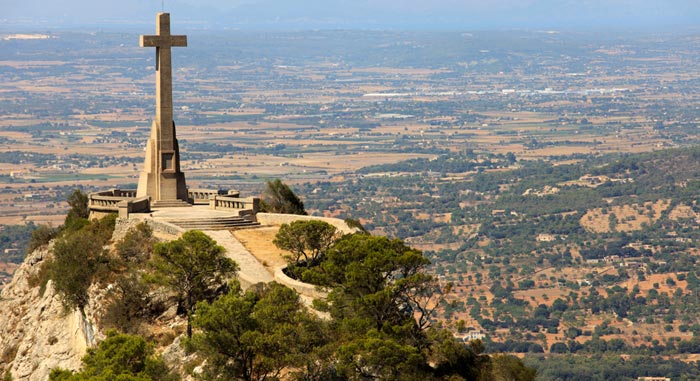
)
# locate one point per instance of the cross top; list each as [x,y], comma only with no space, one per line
[163,38]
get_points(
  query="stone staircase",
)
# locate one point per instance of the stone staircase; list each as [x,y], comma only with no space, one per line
[214,223]
[170,204]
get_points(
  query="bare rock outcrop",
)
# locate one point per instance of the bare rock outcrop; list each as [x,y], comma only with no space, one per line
[36,332]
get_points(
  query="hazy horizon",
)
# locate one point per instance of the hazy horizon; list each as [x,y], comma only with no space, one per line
[359,14]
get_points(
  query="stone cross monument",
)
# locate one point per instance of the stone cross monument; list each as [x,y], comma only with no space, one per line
[161,178]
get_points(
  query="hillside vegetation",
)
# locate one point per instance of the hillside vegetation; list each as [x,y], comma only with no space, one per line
[172,310]
[598,255]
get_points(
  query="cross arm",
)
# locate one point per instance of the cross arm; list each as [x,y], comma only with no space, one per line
[162,41]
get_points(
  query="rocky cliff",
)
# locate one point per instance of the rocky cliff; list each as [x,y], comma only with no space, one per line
[36,332]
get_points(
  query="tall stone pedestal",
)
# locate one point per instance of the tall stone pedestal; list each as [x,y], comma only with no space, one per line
[161,178]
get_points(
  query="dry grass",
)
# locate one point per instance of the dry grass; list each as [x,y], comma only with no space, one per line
[539,296]
[683,211]
[259,243]
[629,217]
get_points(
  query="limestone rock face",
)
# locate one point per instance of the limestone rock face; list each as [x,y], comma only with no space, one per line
[36,333]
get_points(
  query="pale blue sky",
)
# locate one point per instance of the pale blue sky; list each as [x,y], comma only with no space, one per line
[349,14]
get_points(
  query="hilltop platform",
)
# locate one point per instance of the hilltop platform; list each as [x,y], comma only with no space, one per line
[202,217]
[206,208]
[255,267]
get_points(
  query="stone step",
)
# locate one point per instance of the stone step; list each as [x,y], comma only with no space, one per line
[205,224]
[214,223]
[195,223]
[170,204]
[220,227]
[232,219]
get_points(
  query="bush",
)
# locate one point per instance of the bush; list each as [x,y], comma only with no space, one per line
[279,198]
[74,263]
[119,357]
[559,348]
[137,244]
[78,212]
[77,257]
[41,277]
[355,224]
[130,304]
[41,237]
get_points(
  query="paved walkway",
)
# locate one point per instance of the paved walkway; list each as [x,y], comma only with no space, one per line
[251,271]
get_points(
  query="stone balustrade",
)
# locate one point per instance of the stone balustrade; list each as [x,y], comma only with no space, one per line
[135,205]
[105,203]
[123,201]
[248,205]
[202,196]
[130,193]
[109,200]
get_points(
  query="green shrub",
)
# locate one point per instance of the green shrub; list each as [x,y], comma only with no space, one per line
[41,237]
[279,198]
[129,304]
[137,244]
[119,357]
[77,257]
[41,277]
[78,212]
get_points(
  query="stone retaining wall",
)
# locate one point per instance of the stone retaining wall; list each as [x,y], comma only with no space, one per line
[277,219]
[124,224]
[302,288]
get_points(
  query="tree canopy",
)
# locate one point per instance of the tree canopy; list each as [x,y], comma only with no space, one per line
[279,198]
[376,318]
[194,267]
[253,336]
[79,211]
[77,256]
[119,357]
[307,241]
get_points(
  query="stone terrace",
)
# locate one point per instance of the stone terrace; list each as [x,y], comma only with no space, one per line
[202,217]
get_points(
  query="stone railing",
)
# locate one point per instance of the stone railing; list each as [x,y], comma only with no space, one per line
[123,201]
[200,196]
[245,206]
[107,200]
[131,193]
[135,205]
[104,203]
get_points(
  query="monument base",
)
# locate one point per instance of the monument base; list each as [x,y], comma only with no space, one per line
[164,188]
[161,178]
